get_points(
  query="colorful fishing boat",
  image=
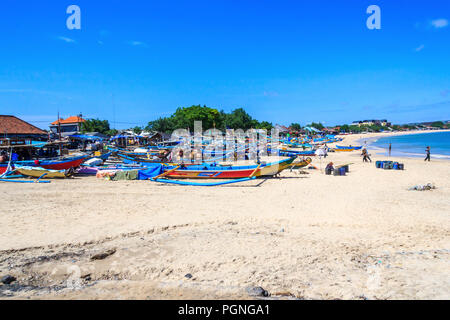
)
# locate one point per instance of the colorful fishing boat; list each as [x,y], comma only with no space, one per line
[226,172]
[103,157]
[342,150]
[4,167]
[301,164]
[59,164]
[349,147]
[37,172]
[291,153]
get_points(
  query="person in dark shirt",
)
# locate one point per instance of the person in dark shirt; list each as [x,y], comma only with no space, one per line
[365,155]
[428,157]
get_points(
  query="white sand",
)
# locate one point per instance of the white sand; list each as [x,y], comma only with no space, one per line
[310,236]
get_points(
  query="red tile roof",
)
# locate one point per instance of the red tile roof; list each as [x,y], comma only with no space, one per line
[73,119]
[14,125]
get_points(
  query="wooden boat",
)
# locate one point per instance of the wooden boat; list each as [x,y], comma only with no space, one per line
[126,158]
[301,164]
[59,164]
[104,157]
[291,153]
[4,167]
[343,150]
[87,170]
[38,172]
[226,172]
[349,147]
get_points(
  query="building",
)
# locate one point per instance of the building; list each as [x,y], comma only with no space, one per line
[69,126]
[382,122]
[12,127]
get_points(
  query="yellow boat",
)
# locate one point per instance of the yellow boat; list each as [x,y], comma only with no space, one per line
[301,164]
[343,150]
[38,172]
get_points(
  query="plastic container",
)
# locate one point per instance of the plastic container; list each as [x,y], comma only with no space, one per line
[342,171]
[378,164]
[387,165]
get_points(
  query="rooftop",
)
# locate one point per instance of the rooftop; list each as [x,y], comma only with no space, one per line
[72,119]
[14,125]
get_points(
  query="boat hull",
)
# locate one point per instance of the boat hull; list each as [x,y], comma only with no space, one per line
[230,173]
[3,168]
[37,172]
[301,164]
[55,164]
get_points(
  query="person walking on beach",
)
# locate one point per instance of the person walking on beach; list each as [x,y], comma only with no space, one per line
[428,157]
[365,155]
[390,148]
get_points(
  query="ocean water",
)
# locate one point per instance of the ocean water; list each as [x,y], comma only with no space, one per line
[413,145]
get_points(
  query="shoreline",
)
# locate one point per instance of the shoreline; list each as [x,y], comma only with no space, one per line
[370,138]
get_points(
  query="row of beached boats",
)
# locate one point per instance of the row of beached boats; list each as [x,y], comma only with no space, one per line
[151,163]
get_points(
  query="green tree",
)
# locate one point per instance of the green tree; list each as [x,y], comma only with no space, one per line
[264,125]
[95,125]
[295,127]
[185,117]
[437,124]
[111,132]
[345,128]
[161,125]
[239,119]
[354,129]
[137,130]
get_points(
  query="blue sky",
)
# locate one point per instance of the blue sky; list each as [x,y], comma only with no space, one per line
[283,61]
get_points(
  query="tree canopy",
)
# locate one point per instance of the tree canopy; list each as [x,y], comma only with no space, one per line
[295,126]
[95,125]
[184,118]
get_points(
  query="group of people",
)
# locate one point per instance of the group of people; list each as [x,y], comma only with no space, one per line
[366,155]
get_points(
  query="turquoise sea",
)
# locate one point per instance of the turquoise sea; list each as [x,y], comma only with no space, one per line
[413,145]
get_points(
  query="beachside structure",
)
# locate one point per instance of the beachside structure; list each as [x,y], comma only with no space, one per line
[382,122]
[13,128]
[69,126]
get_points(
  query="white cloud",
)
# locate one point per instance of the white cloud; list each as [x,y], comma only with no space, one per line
[68,40]
[439,23]
[419,48]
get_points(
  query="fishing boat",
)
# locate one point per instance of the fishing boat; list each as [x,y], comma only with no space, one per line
[103,157]
[91,170]
[226,172]
[4,167]
[37,172]
[349,147]
[55,164]
[342,150]
[301,164]
[128,158]
[291,153]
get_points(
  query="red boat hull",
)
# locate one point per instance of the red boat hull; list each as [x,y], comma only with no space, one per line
[3,169]
[210,174]
[64,165]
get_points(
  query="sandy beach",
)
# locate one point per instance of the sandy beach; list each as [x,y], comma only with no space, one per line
[303,235]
